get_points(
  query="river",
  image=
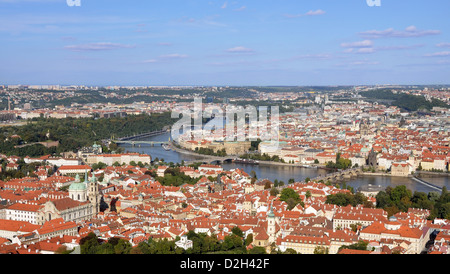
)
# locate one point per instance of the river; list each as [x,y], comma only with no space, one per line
[284,173]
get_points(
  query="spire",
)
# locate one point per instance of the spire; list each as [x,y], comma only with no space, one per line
[271,214]
[85,176]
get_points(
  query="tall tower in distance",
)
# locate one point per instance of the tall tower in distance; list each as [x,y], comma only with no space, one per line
[271,225]
[94,195]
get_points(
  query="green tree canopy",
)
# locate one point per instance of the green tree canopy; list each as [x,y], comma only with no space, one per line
[291,197]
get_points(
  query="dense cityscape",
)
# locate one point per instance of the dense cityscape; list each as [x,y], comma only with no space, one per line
[96,197]
[193,135]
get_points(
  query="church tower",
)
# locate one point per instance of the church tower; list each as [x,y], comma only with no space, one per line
[94,195]
[271,225]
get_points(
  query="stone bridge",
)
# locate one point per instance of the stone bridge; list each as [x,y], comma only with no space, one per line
[340,175]
[212,160]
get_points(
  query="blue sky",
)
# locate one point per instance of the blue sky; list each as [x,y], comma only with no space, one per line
[224,42]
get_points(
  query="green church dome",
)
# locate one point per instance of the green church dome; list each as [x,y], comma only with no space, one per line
[77,186]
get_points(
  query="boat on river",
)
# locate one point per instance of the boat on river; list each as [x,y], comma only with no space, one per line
[166,147]
[245,161]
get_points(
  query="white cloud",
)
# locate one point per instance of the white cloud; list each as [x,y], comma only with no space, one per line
[166,57]
[359,44]
[315,12]
[174,56]
[309,13]
[358,63]
[410,31]
[365,50]
[400,47]
[150,61]
[97,46]
[443,45]
[241,8]
[240,49]
[207,21]
[224,6]
[438,54]
[166,44]
[365,46]
[320,56]
[364,62]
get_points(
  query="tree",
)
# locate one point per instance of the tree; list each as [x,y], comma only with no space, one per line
[237,231]
[398,193]
[63,250]
[383,200]
[257,250]
[321,250]
[344,199]
[444,211]
[249,239]
[290,251]
[99,165]
[89,244]
[361,245]
[274,192]
[308,194]
[232,242]
[122,247]
[136,250]
[291,197]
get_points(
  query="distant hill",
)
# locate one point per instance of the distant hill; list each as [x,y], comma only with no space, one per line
[402,100]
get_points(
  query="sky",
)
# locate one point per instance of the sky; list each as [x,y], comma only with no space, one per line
[224,42]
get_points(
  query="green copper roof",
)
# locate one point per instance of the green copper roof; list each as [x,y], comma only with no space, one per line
[77,186]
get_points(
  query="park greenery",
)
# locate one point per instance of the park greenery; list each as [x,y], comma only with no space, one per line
[340,163]
[262,157]
[209,151]
[405,101]
[399,199]
[360,245]
[291,197]
[74,133]
[235,243]
[23,170]
[345,199]
[174,177]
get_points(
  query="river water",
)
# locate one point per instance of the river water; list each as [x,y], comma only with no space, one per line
[284,173]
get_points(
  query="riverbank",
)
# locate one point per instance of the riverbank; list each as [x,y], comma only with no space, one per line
[432,173]
[284,172]
[268,163]
[383,174]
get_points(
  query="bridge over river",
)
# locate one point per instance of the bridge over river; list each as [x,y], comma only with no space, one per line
[136,139]
[139,143]
[419,180]
[340,175]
